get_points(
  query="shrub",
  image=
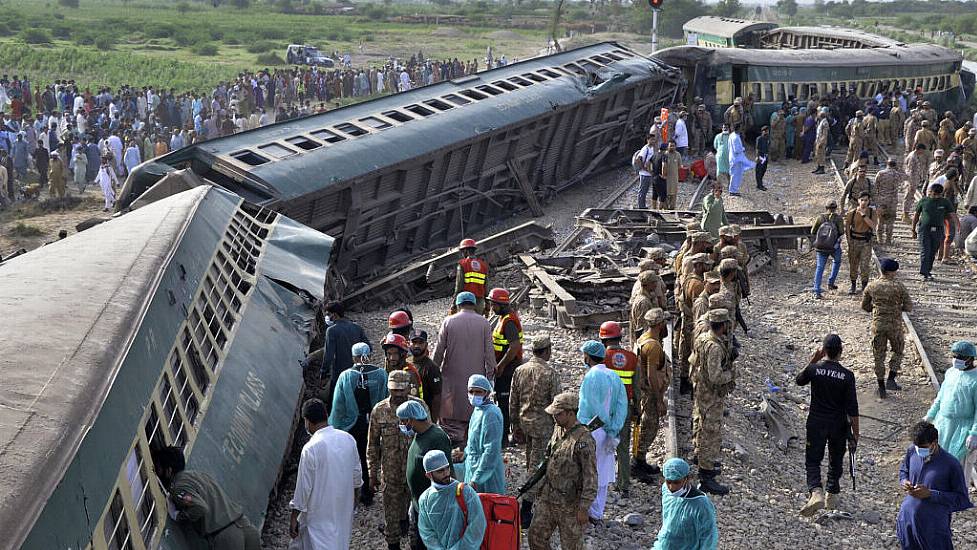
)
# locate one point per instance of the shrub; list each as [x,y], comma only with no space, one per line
[25,230]
[207,50]
[5,29]
[270,59]
[61,30]
[190,37]
[36,36]
[105,41]
[84,38]
[69,3]
[262,46]
[160,30]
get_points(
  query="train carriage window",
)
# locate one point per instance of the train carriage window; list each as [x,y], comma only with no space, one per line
[419,110]
[792,89]
[327,136]
[275,150]
[303,143]
[171,413]
[375,123]
[398,116]
[613,56]
[457,99]
[768,92]
[802,92]
[438,104]
[623,53]
[781,93]
[183,387]
[505,85]
[351,129]
[755,90]
[576,69]
[589,65]
[153,434]
[549,73]
[535,77]
[563,71]
[520,81]
[115,525]
[142,498]
[600,59]
[489,89]
[473,94]
[249,157]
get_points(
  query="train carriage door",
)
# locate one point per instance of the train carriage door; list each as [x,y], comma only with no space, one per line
[739,76]
[697,85]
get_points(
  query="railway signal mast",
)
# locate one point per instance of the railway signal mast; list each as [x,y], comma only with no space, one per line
[656,6]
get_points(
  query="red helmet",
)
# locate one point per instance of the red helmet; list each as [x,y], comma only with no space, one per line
[398,319]
[610,329]
[499,296]
[467,243]
[396,340]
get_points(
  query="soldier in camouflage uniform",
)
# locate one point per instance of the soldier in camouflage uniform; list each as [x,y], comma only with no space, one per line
[735,115]
[856,137]
[778,135]
[570,484]
[534,386]
[896,120]
[654,376]
[856,186]
[861,225]
[692,285]
[887,184]
[701,130]
[386,457]
[926,137]
[969,154]
[200,502]
[917,168]
[910,127]
[652,295]
[701,305]
[870,125]
[714,380]
[886,298]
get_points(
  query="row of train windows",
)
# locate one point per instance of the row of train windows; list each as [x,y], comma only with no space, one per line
[171,417]
[387,119]
[767,92]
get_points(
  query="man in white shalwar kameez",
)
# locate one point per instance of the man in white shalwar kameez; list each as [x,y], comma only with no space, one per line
[107,180]
[325,491]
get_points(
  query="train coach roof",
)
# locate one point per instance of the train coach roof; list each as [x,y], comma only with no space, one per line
[724,26]
[866,38]
[913,54]
[70,309]
[298,172]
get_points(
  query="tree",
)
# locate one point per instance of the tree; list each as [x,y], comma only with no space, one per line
[787,7]
[727,8]
[183,8]
[670,19]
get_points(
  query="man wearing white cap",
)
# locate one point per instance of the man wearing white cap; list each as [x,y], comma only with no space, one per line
[449,516]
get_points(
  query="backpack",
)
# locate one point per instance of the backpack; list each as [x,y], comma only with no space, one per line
[502,529]
[827,236]
[637,161]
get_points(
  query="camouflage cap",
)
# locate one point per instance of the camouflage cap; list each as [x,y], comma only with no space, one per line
[646,265]
[700,258]
[725,231]
[728,263]
[720,315]
[701,237]
[712,277]
[647,277]
[655,253]
[398,380]
[728,251]
[541,343]
[692,227]
[735,230]
[719,301]
[566,401]
[656,315]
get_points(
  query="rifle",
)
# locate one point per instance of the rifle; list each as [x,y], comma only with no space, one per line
[594,424]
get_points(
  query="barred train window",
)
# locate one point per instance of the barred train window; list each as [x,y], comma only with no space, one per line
[142,499]
[153,434]
[115,527]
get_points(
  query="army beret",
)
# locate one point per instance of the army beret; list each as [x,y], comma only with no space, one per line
[656,315]
[720,315]
[728,263]
[888,264]
[719,301]
[541,343]
[712,277]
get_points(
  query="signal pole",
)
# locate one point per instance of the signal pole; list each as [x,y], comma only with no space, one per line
[656,6]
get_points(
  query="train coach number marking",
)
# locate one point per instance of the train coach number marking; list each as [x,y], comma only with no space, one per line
[242,425]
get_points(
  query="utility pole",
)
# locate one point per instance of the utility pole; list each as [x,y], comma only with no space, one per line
[656,6]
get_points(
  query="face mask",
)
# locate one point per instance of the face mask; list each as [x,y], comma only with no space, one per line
[416,352]
[680,492]
[406,431]
[923,452]
[439,486]
[959,364]
[476,400]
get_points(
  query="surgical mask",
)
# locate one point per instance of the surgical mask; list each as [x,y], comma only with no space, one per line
[476,400]
[923,452]
[406,431]
[959,364]
[678,493]
[439,486]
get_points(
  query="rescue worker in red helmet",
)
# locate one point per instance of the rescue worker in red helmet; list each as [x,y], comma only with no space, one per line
[395,352]
[507,342]
[426,373]
[624,363]
[401,322]
[472,274]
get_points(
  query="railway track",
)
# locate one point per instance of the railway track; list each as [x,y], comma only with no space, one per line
[944,310]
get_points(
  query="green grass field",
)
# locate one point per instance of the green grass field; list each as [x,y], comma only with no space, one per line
[109,42]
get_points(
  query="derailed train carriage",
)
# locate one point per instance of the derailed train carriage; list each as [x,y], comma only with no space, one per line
[773,64]
[180,323]
[405,174]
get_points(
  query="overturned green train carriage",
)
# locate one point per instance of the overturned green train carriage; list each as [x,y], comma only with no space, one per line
[771,76]
[405,174]
[182,323]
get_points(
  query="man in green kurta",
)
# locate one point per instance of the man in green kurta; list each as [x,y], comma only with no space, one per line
[713,211]
[199,501]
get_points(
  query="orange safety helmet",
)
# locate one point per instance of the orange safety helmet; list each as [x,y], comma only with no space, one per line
[610,329]
[398,319]
[499,296]
[467,243]
[397,341]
